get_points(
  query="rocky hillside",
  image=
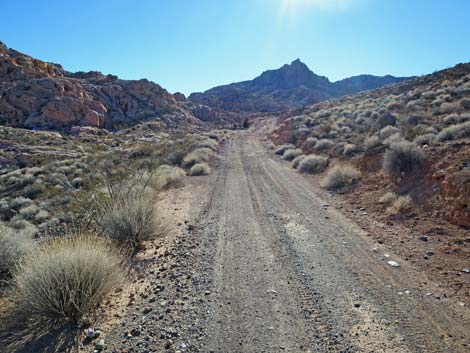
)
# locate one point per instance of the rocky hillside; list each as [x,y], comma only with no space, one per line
[291,86]
[37,94]
[411,139]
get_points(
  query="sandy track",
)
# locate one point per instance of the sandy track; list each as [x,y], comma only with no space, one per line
[291,274]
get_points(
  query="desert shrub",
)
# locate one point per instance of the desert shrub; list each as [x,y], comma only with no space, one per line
[447,108]
[465,103]
[311,141]
[388,198]
[41,216]
[168,176]
[395,138]
[66,280]
[290,154]
[372,141]
[323,144]
[34,190]
[199,169]
[402,157]
[456,119]
[296,161]
[78,182]
[454,132]
[29,212]
[209,143]
[426,139]
[197,156]
[340,175]
[281,149]
[14,245]
[129,214]
[313,164]
[398,206]
[351,149]
[388,131]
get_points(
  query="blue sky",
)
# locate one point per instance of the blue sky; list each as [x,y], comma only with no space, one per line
[192,45]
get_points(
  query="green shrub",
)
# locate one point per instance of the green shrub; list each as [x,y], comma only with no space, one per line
[290,154]
[199,169]
[402,157]
[339,176]
[66,280]
[313,164]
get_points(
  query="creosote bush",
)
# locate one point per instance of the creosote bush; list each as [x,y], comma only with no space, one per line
[65,280]
[402,157]
[313,164]
[200,169]
[290,154]
[323,144]
[340,175]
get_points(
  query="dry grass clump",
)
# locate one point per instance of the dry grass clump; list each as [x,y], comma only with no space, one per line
[454,132]
[281,149]
[296,161]
[290,154]
[388,131]
[351,149]
[311,141]
[323,144]
[426,139]
[402,157]
[313,164]
[401,204]
[168,176]
[209,143]
[339,176]
[14,245]
[66,280]
[199,169]
[128,214]
[388,198]
[372,141]
[199,155]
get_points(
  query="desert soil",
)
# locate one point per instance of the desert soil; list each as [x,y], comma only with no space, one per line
[261,261]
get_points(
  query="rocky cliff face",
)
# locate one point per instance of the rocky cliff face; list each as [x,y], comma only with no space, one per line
[291,86]
[36,94]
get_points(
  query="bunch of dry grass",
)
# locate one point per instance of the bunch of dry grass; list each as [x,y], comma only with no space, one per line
[199,155]
[291,153]
[296,161]
[399,205]
[200,169]
[127,213]
[281,149]
[339,176]
[14,245]
[66,280]
[313,164]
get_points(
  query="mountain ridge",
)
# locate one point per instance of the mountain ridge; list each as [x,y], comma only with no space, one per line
[291,86]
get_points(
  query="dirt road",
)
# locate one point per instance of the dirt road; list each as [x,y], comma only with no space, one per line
[262,263]
[291,274]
